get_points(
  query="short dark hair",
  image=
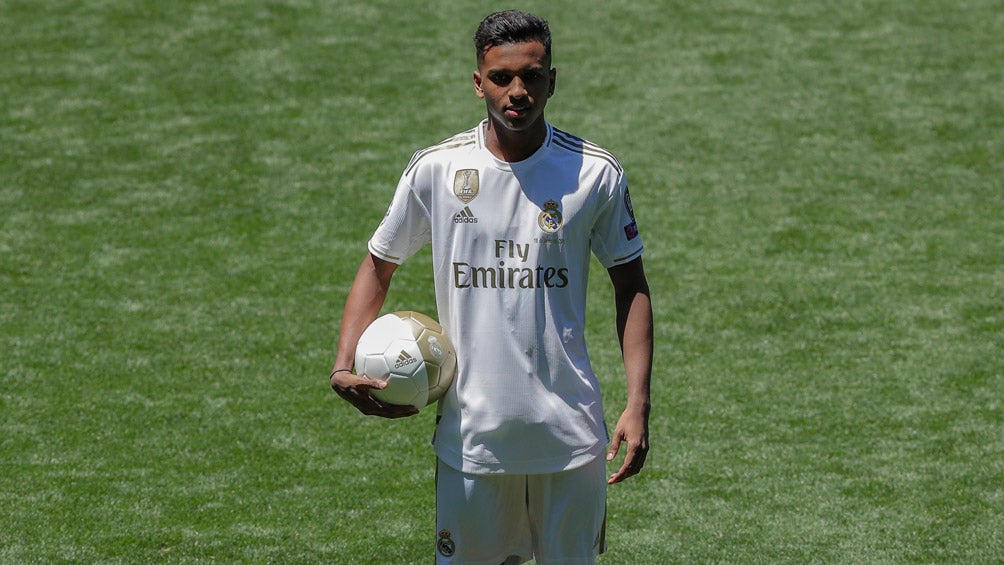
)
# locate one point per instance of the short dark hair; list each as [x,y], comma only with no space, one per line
[511,26]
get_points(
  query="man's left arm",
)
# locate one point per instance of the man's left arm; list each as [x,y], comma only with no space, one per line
[634,329]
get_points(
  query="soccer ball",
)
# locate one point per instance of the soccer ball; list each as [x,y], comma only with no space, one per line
[410,351]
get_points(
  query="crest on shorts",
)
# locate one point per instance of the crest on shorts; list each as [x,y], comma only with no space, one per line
[466,184]
[445,543]
[549,219]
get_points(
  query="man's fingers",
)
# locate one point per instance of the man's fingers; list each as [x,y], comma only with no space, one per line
[356,390]
[634,460]
[615,446]
[622,473]
[344,379]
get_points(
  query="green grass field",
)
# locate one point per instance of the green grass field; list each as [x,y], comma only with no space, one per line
[186,189]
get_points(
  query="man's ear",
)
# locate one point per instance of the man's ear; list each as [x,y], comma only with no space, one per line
[554,77]
[478,90]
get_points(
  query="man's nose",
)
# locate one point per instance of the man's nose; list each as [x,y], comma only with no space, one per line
[517,89]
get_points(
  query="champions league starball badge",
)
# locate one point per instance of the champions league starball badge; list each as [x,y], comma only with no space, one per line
[549,219]
[630,230]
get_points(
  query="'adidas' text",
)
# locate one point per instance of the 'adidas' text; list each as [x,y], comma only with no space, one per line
[404,359]
[465,216]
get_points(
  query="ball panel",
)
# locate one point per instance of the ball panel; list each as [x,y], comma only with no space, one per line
[373,366]
[420,319]
[432,345]
[411,388]
[444,378]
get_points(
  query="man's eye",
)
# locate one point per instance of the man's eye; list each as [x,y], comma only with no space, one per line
[500,78]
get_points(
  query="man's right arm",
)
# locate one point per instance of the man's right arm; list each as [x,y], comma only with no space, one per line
[366,297]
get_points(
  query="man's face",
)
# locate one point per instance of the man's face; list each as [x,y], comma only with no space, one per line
[514,80]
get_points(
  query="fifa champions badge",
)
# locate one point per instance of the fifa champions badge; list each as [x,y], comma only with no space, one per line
[466,184]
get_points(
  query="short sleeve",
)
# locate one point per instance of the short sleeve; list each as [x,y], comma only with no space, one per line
[405,228]
[615,237]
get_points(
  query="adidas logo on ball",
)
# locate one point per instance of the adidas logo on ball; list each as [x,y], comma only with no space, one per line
[403,360]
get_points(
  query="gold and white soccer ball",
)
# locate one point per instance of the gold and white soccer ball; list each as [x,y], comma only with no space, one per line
[411,351]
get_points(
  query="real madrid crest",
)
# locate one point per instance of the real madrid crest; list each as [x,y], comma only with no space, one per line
[549,219]
[466,184]
[445,543]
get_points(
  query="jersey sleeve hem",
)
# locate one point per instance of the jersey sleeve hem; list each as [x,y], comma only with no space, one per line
[624,259]
[380,254]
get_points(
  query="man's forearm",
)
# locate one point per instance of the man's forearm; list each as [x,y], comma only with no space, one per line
[366,297]
[636,346]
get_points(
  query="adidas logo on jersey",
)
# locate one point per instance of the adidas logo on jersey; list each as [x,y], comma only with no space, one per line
[465,216]
[404,359]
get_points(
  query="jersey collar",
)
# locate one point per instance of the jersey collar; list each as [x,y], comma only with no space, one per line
[499,163]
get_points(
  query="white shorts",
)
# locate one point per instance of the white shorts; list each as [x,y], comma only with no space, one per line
[493,519]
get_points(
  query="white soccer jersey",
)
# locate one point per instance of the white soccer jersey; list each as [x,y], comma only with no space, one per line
[511,247]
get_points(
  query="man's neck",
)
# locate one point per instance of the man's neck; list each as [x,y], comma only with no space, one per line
[513,146]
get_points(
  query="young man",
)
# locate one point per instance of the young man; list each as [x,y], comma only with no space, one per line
[513,208]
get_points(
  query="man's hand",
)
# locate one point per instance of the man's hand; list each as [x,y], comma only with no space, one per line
[356,389]
[632,429]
